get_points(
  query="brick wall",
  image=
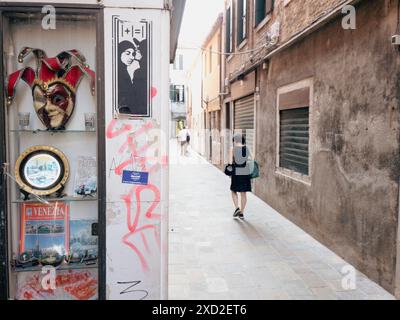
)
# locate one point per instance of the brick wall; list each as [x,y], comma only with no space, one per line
[293,15]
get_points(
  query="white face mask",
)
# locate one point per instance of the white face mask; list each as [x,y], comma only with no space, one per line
[54,106]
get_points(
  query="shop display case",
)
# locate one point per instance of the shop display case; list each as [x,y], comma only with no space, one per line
[52,155]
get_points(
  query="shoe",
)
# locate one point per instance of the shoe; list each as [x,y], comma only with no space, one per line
[237,213]
[241,216]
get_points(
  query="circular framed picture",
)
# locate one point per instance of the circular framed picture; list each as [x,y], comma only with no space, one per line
[42,170]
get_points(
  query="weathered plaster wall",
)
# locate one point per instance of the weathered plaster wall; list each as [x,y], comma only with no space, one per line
[212,68]
[352,203]
[154,4]
[293,16]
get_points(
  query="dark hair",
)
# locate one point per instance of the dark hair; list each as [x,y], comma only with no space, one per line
[239,138]
[125,45]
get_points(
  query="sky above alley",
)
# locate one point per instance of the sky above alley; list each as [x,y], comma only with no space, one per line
[198,19]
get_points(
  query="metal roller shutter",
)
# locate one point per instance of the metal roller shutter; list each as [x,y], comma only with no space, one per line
[244,119]
[294,139]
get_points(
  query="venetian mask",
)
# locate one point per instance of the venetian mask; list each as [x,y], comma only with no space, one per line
[53,84]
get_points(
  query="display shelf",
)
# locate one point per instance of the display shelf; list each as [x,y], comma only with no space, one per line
[62,267]
[32,224]
[38,131]
[65,199]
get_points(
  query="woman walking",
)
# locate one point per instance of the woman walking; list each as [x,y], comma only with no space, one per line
[241,179]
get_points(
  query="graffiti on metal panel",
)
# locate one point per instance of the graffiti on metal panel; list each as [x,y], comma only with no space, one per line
[142,218]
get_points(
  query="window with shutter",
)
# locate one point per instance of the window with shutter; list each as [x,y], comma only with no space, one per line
[244,19]
[244,119]
[181,94]
[259,11]
[262,9]
[294,140]
[231,30]
[172,92]
[228,47]
[294,125]
[241,21]
[177,93]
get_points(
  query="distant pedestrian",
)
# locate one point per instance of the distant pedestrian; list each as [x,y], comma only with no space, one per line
[241,178]
[183,140]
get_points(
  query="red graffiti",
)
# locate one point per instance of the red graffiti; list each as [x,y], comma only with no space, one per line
[153,92]
[133,219]
[145,243]
[140,226]
[111,134]
[70,285]
[84,290]
[142,163]
[130,144]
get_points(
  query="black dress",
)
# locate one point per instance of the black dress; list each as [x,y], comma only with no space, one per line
[241,181]
[133,95]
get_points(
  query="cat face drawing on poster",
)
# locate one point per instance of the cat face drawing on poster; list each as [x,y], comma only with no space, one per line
[53,84]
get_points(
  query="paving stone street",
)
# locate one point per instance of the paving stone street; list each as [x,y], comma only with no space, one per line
[213,256]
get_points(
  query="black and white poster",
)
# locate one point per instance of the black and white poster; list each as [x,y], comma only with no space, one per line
[132,68]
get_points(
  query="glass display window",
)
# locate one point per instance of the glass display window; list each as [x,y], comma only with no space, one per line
[52,150]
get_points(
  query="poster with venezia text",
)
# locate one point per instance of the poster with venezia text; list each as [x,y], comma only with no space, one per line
[132,68]
[45,228]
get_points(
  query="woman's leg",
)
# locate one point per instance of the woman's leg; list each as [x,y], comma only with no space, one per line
[235,200]
[243,201]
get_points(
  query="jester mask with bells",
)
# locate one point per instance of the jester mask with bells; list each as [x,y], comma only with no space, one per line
[53,84]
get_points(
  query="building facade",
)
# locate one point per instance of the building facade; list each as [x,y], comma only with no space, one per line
[178,94]
[196,113]
[314,86]
[211,92]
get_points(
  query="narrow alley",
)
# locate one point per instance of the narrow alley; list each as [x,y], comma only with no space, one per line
[213,256]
